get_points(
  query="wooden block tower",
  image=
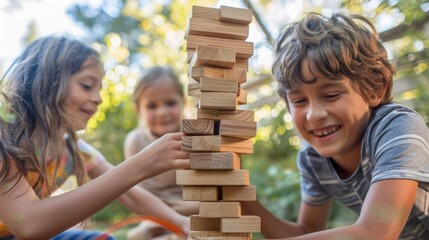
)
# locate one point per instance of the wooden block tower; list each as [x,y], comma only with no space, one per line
[218,60]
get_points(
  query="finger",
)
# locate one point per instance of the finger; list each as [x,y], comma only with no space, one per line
[182,163]
[177,136]
[177,146]
[182,155]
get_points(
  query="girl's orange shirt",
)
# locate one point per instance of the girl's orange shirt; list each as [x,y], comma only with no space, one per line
[90,156]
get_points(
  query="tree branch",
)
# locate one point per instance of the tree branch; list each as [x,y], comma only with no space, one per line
[260,22]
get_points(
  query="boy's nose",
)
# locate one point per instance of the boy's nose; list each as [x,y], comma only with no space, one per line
[316,112]
[96,97]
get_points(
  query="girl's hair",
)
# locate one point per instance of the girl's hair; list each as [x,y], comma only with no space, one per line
[34,89]
[336,47]
[153,75]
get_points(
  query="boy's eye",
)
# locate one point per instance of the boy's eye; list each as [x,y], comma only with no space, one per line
[298,101]
[332,96]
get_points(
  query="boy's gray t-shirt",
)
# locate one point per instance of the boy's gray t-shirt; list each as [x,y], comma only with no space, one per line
[395,146]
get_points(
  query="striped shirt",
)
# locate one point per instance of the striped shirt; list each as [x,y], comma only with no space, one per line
[394,146]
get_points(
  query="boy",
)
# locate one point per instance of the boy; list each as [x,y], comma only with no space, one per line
[363,150]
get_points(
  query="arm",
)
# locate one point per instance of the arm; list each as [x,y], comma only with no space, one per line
[137,200]
[31,218]
[311,219]
[383,216]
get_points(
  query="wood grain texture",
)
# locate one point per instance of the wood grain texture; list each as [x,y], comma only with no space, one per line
[218,161]
[212,178]
[217,114]
[218,100]
[198,193]
[214,235]
[242,97]
[205,12]
[220,209]
[243,224]
[219,29]
[239,129]
[216,144]
[235,15]
[208,84]
[198,126]
[204,224]
[247,193]
[213,57]
[239,74]
[194,90]
[242,49]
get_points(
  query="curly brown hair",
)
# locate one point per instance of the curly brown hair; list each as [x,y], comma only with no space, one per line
[336,47]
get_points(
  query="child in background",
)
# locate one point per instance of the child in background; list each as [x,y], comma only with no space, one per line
[362,149]
[158,98]
[52,90]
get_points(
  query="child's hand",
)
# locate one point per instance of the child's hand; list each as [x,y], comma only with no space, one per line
[164,154]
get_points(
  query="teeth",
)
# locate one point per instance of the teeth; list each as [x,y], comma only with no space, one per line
[322,133]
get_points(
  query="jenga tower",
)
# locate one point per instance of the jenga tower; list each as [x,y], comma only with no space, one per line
[218,59]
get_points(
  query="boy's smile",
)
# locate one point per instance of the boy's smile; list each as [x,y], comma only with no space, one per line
[331,116]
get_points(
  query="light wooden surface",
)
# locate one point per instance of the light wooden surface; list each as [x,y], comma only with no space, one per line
[239,74]
[242,97]
[208,84]
[213,57]
[217,160]
[242,49]
[246,193]
[214,235]
[239,129]
[198,126]
[220,209]
[219,29]
[216,144]
[198,193]
[204,224]
[206,12]
[243,224]
[212,178]
[217,114]
[236,15]
[218,100]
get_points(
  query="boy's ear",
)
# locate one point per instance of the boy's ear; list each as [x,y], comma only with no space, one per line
[374,99]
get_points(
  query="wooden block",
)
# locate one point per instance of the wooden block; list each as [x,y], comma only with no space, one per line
[206,13]
[215,235]
[208,84]
[220,209]
[242,97]
[198,126]
[239,129]
[218,100]
[214,28]
[213,57]
[216,160]
[190,54]
[239,74]
[216,144]
[247,193]
[236,15]
[194,89]
[204,224]
[244,224]
[242,63]
[212,178]
[217,114]
[197,193]
[242,49]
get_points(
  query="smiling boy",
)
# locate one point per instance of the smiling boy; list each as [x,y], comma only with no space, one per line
[360,148]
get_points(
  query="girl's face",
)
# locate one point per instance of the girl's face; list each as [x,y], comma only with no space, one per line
[160,106]
[83,93]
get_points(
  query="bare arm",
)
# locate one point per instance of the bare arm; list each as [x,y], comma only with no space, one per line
[143,202]
[311,219]
[383,216]
[31,218]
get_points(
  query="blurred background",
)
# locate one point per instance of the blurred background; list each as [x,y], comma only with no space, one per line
[133,35]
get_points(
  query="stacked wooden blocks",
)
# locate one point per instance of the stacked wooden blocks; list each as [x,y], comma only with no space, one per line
[218,59]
